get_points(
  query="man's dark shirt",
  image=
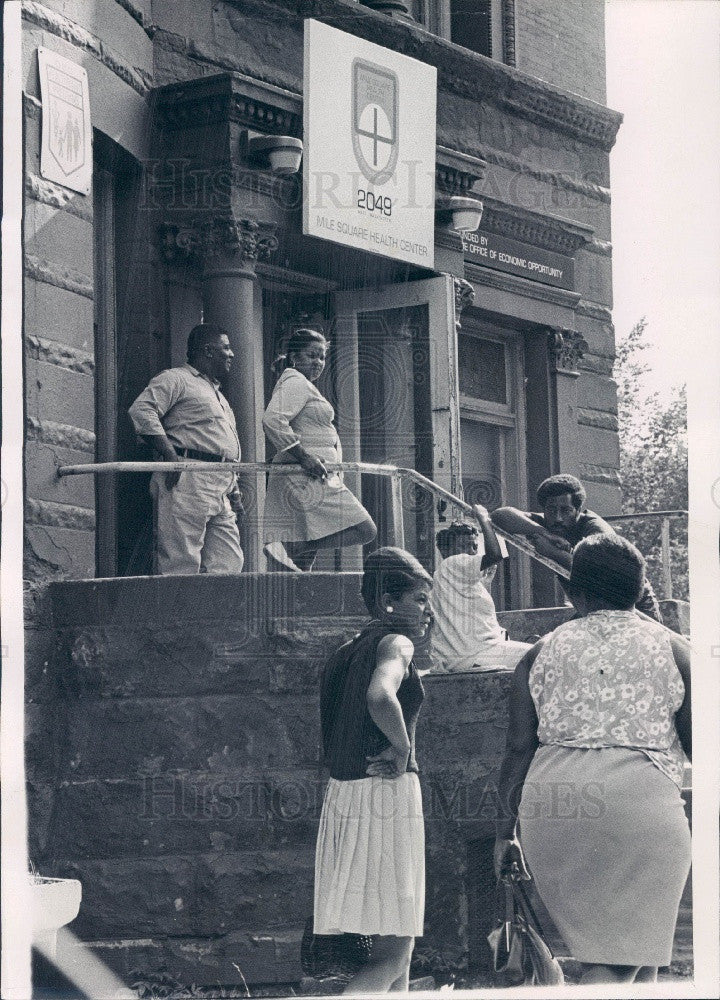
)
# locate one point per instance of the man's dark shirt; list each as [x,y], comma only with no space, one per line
[588,524]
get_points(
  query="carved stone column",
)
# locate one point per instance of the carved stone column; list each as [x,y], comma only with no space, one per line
[231,298]
[229,249]
[566,347]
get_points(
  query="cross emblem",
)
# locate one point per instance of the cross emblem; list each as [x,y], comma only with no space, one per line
[375,120]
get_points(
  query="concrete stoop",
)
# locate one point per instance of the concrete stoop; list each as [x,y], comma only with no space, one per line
[174,769]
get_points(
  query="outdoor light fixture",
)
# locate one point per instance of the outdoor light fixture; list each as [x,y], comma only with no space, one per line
[280,154]
[465,213]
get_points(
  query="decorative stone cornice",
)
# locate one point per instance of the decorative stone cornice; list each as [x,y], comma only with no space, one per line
[602,248]
[562,110]
[247,238]
[448,239]
[455,172]
[566,347]
[547,231]
[460,71]
[464,298]
[229,97]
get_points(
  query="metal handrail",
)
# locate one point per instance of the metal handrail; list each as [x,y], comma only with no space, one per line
[645,513]
[667,516]
[396,473]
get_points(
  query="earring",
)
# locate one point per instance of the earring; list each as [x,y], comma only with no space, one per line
[389,609]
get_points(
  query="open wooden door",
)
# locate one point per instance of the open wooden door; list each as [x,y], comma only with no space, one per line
[394,360]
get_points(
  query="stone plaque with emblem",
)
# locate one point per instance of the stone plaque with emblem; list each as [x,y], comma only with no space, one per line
[66,150]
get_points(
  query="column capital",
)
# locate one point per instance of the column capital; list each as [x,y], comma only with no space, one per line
[464,297]
[245,239]
[566,347]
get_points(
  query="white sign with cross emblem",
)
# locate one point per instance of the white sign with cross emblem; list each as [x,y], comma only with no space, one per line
[66,149]
[369,158]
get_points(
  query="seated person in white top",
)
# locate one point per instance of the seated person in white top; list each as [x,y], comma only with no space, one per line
[466,634]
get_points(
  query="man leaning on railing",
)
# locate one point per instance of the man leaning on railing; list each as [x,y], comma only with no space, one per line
[564,522]
[183,414]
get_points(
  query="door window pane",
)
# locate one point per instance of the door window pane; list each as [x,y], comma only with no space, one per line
[482,372]
[482,465]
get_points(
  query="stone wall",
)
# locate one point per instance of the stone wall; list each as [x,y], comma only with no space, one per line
[110,39]
[563,44]
[174,768]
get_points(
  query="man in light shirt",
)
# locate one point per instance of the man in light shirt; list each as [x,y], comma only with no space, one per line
[183,414]
[466,633]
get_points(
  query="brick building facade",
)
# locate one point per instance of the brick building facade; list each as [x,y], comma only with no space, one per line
[507,379]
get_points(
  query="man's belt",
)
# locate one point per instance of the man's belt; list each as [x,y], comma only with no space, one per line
[200,456]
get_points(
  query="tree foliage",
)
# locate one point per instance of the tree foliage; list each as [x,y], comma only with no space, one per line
[653,459]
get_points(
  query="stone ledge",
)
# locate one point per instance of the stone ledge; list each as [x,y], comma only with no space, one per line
[137,600]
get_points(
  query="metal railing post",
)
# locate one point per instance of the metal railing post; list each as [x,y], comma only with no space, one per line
[666,565]
[396,505]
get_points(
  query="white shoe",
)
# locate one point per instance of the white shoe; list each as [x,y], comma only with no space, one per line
[277,552]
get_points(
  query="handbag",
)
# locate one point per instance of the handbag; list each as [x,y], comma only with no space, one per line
[520,953]
[333,954]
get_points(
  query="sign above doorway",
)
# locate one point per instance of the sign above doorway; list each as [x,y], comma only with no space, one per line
[369,133]
[490,250]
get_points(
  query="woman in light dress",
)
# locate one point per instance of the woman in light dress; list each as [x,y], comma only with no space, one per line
[599,731]
[311,509]
[370,856]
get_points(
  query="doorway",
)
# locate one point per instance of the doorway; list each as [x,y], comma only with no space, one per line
[395,400]
[492,423]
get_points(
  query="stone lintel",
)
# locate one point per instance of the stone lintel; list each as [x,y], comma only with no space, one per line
[522,287]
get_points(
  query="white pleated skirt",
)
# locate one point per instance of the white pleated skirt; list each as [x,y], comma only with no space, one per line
[370,858]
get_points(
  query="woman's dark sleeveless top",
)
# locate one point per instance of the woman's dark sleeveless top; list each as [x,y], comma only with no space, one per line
[349,734]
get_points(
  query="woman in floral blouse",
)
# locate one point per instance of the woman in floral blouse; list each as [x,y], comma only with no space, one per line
[599,726]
